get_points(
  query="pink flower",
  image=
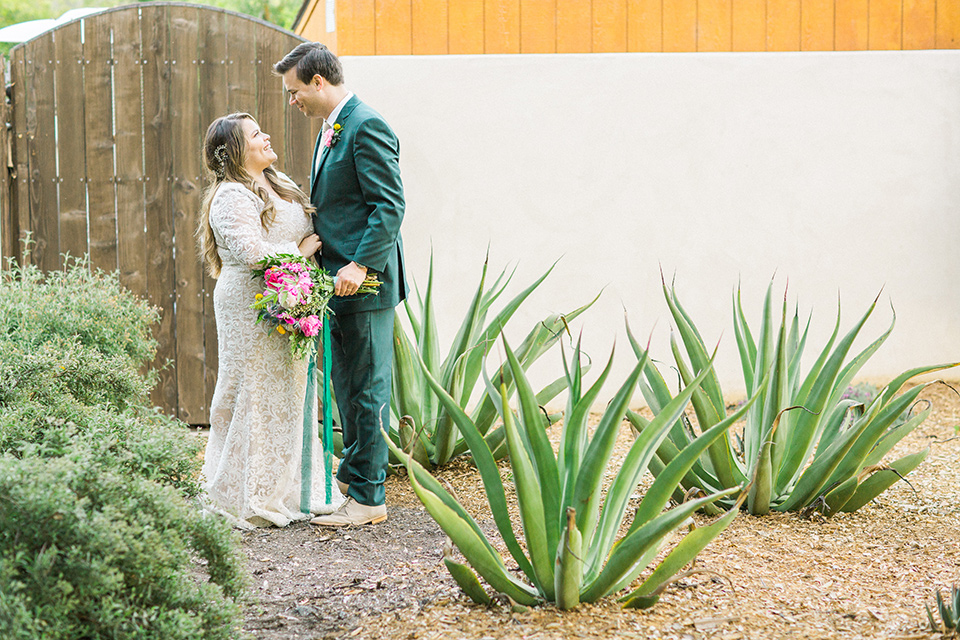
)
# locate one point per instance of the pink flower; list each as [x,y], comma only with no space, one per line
[310,326]
[327,138]
[273,276]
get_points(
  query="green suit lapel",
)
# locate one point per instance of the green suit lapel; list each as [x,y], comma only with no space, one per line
[324,151]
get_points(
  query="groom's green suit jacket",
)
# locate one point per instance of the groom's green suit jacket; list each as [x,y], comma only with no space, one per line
[359,199]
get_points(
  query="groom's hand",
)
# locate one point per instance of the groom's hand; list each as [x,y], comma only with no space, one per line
[349,279]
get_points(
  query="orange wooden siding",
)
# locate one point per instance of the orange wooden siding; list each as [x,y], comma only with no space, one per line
[398,27]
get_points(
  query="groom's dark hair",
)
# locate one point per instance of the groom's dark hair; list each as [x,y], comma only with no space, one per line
[312,59]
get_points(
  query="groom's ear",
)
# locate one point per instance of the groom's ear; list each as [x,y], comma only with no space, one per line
[317,80]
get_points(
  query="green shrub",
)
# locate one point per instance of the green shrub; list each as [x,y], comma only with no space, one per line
[76,304]
[89,553]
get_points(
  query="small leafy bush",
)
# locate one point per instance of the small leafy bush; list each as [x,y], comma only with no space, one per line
[76,303]
[89,553]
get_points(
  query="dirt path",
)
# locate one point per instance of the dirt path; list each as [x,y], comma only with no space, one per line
[861,575]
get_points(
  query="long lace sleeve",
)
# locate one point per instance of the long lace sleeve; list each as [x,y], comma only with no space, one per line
[235,218]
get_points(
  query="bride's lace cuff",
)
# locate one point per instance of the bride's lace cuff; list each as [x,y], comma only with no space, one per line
[235,218]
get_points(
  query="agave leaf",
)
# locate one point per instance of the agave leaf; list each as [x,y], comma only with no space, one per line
[548,476]
[745,343]
[895,384]
[878,420]
[635,464]
[462,343]
[474,546]
[569,569]
[659,493]
[464,576]
[530,501]
[586,494]
[680,556]
[949,621]
[575,431]
[823,388]
[816,476]
[836,498]
[696,351]
[883,480]
[933,624]
[655,390]
[489,473]
[428,349]
[495,328]
[633,546]
[407,389]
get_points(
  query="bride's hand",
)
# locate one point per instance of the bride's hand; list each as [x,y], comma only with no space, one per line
[310,245]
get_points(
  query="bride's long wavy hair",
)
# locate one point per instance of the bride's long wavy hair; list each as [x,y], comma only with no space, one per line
[224,150]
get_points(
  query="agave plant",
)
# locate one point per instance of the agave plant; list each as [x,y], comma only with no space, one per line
[570,527]
[808,447]
[420,422]
[949,612]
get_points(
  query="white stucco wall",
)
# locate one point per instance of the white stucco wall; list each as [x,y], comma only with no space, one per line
[837,171]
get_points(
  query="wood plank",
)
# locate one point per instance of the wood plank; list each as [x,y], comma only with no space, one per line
[714,25]
[158,206]
[644,25]
[852,25]
[98,126]
[6,242]
[816,25]
[20,181]
[429,29]
[356,31]
[573,32]
[885,26]
[300,139]
[783,25]
[680,25]
[501,28]
[6,160]
[538,26]
[466,24]
[609,33]
[132,239]
[215,31]
[948,24]
[919,24]
[42,145]
[185,119]
[242,68]
[749,25]
[393,24]
[272,45]
[70,141]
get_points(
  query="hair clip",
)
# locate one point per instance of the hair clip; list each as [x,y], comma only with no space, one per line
[220,154]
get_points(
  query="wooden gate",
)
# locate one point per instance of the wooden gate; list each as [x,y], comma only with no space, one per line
[108,116]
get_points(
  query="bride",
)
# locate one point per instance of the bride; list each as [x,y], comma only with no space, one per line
[252,465]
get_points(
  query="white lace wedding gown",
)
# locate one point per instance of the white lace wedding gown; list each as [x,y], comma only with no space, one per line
[251,468]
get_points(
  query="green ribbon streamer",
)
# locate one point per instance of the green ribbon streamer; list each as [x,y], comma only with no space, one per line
[306,450]
[327,408]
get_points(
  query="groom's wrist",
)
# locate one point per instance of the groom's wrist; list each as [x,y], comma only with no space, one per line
[360,266]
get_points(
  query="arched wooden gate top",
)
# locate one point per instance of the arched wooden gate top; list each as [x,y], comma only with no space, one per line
[109,113]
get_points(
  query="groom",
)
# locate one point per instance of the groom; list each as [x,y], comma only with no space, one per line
[355,186]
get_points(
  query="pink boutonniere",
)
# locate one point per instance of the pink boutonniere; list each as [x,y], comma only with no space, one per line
[331,136]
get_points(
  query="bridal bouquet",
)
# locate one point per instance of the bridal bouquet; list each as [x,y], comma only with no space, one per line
[295,295]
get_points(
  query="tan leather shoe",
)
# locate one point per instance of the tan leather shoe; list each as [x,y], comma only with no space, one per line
[344,488]
[352,512]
